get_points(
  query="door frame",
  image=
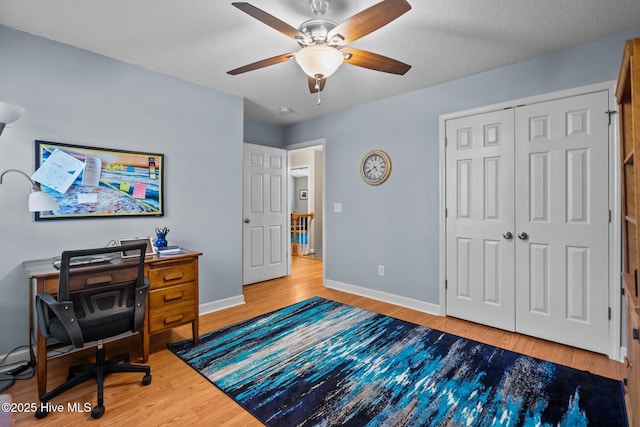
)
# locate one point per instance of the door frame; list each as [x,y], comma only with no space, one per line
[615,238]
[299,146]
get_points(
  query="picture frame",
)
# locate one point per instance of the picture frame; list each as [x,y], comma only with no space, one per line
[304,194]
[93,182]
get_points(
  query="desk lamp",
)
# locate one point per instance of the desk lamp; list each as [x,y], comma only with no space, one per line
[38,200]
[10,113]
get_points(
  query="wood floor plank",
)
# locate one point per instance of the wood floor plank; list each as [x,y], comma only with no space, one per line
[180,396]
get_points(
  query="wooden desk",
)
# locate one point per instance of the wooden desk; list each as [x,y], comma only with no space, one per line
[172,300]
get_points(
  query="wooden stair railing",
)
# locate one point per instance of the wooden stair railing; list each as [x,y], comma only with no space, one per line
[300,224]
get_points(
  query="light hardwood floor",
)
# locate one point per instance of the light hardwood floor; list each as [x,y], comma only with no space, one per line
[180,396]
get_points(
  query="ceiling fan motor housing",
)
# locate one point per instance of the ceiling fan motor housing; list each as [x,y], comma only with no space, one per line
[317,30]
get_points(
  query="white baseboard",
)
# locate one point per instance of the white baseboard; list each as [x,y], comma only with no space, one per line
[221,304]
[411,303]
[623,354]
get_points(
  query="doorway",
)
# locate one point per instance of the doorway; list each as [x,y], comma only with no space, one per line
[306,198]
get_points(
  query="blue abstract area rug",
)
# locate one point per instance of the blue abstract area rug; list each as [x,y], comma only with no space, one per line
[319,362]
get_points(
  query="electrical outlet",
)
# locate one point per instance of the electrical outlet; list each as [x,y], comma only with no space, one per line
[337,207]
[381,270]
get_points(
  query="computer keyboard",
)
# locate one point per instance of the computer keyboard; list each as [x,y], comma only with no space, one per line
[82,260]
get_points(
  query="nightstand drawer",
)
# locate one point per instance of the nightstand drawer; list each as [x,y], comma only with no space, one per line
[171,318]
[172,274]
[173,295]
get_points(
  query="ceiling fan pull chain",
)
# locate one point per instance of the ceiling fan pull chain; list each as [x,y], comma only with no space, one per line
[318,88]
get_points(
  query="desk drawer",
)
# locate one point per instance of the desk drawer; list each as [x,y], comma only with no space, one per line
[171,318]
[172,274]
[163,298]
[79,280]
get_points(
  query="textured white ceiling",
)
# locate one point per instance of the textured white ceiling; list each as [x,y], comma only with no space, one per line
[199,41]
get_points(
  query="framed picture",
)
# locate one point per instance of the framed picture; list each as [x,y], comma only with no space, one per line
[304,194]
[91,182]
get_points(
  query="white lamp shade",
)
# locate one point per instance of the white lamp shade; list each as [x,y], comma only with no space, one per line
[40,201]
[10,113]
[319,60]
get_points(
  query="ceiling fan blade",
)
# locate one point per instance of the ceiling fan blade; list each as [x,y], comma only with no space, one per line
[261,64]
[374,61]
[271,21]
[367,21]
[312,84]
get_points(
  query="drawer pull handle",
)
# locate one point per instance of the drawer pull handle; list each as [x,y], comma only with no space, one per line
[173,319]
[173,297]
[99,280]
[627,362]
[173,276]
[636,334]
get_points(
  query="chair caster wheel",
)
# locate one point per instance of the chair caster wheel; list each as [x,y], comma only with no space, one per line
[97,411]
[40,413]
[146,380]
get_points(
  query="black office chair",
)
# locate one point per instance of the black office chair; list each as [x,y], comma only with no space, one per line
[94,304]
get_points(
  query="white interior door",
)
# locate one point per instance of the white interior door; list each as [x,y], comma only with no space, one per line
[480,266]
[562,182]
[545,180]
[265,233]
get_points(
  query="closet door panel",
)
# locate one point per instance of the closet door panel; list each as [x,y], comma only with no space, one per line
[479,178]
[561,211]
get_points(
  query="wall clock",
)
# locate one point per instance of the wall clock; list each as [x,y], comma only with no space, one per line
[375,167]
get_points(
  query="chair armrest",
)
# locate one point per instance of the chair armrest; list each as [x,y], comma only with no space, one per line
[64,311]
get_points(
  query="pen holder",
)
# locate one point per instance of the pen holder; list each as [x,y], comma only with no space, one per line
[161,240]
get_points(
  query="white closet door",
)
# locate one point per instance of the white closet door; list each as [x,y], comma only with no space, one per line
[480,188]
[561,203]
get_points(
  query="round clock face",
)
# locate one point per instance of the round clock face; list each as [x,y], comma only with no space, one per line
[375,167]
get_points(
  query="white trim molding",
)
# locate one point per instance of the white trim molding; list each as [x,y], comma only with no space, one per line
[221,304]
[411,303]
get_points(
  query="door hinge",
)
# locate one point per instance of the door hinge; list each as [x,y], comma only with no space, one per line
[446,284]
[609,215]
[446,212]
[610,113]
[609,313]
[445,141]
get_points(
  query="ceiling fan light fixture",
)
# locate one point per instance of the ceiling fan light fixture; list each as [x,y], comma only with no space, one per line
[319,60]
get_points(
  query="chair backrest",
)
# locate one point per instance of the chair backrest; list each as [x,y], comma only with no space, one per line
[108,299]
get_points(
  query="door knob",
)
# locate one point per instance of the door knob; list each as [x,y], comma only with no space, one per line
[523,236]
[247,220]
[507,235]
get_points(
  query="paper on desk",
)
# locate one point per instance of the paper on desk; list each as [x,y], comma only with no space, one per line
[59,171]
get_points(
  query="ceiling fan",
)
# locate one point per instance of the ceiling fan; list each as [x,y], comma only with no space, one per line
[324,42]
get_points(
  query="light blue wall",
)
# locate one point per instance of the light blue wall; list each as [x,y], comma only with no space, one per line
[262,134]
[74,96]
[78,97]
[396,223]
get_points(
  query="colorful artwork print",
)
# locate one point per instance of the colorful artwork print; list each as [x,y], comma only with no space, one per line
[94,182]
